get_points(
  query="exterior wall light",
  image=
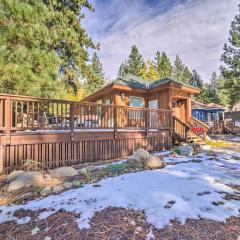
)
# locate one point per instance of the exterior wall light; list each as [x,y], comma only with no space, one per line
[122,95]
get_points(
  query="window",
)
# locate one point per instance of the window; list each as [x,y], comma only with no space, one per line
[153,104]
[107,101]
[136,102]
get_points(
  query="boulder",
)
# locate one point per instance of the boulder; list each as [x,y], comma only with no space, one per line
[67,185]
[12,176]
[153,162]
[83,171]
[24,196]
[185,150]
[196,148]
[76,184]
[30,178]
[57,189]
[46,191]
[139,157]
[65,172]
[141,154]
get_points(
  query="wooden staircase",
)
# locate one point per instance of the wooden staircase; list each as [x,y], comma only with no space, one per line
[192,132]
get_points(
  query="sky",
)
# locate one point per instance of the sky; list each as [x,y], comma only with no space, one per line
[196,30]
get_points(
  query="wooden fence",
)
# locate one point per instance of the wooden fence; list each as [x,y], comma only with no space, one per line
[56,132]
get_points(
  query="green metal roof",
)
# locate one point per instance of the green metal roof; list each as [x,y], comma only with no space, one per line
[137,82]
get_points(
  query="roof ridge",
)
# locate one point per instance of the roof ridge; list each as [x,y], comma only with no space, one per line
[137,81]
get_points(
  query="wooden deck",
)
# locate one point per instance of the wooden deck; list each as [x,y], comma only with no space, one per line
[55,132]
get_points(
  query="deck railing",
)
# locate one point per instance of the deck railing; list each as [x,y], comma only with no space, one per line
[19,113]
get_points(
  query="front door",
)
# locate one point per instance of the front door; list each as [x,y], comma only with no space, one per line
[179,109]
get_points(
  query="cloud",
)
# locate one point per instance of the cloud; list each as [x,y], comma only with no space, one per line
[195,30]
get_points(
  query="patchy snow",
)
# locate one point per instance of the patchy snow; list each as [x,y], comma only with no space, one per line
[181,191]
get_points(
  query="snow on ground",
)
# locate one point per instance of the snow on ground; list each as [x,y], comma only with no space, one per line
[187,190]
[226,137]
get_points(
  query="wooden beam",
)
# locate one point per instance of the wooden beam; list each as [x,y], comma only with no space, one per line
[8,120]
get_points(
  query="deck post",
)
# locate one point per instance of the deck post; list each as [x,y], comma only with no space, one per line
[146,121]
[115,118]
[1,159]
[1,113]
[8,120]
[71,121]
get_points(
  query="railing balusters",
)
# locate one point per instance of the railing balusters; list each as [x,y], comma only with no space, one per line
[38,113]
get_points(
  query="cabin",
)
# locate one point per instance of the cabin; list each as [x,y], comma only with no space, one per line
[207,113]
[132,91]
[113,122]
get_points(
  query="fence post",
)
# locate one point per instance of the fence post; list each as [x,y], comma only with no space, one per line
[71,121]
[8,110]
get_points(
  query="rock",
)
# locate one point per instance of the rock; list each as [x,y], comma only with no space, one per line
[47,238]
[138,157]
[35,230]
[65,172]
[46,191]
[25,179]
[12,176]
[83,171]
[186,150]
[57,189]
[24,196]
[67,185]
[76,183]
[196,148]
[133,223]
[141,154]
[153,162]
[139,229]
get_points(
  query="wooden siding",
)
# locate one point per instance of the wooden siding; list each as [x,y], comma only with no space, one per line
[50,150]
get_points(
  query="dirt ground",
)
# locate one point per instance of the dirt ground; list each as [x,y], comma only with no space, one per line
[116,223]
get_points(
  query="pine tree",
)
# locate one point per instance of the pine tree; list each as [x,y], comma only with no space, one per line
[122,69]
[186,75]
[134,63]
[178,69]
[230,92]
[204,94]
[70,38]
[163,65]
[196,80]
[213,88]
[97,78]
[149,71]
[43,46]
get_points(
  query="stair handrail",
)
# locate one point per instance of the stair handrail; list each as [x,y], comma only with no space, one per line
[181,132]
[183,123]
[204,127]
[200,123]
